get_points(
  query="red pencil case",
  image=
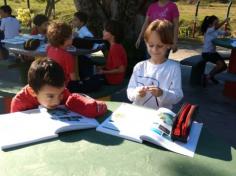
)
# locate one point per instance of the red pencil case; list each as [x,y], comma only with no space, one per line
[183,121]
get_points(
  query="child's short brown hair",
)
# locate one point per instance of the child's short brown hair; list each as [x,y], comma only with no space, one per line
[163,28]
[45,71]
[40,19]
[58,33]
[116,29]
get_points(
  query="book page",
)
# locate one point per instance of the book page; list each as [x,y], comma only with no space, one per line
[23,128]
[131,121]
[68,120]
[39,124]
[158,137]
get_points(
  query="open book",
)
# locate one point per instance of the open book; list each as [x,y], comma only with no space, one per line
[40,124]
[142,124]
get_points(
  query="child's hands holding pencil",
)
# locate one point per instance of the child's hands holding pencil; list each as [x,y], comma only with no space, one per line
[155,91]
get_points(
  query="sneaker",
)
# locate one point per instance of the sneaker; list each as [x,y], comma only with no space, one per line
[214,80]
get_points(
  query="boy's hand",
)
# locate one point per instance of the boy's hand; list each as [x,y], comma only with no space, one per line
[142,91]
[101,107]
[99,70]
[155,91]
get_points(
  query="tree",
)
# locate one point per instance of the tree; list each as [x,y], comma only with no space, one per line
[130,13]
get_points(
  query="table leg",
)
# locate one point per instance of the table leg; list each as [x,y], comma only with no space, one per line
[232,61]
[230,87]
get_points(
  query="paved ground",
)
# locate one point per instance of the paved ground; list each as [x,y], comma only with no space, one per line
[217,112]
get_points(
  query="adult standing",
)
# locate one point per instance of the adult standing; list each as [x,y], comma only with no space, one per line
[162,9]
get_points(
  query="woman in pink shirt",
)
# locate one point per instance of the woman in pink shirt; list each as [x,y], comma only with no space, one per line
[162,9]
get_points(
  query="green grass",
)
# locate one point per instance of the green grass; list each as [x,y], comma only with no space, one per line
[187,13]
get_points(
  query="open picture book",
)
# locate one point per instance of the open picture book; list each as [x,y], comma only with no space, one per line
[140,124]
[40,124]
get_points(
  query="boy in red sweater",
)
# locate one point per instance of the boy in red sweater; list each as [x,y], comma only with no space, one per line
[46,87]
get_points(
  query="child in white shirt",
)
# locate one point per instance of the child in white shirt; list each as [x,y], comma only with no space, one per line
[156,82]
[79,23]
[210,28]
[9,28]
[9,24]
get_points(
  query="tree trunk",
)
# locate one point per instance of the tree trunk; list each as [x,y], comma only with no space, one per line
[130,12]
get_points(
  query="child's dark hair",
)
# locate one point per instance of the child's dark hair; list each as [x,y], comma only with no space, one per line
[58,33]
[82,16]
[45,71]
[163,28]
[208,20]
[6,8]
[115,28]
[40,19]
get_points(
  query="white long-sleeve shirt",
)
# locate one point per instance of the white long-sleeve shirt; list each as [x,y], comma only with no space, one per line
[166,76]
[209,36]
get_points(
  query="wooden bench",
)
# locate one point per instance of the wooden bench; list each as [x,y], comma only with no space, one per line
[198,67]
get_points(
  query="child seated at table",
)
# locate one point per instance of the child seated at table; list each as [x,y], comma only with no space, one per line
[40,22]
[210,28]
[60,38]
[81,31]
[9,28]
[46,87]
[156,82]
[116,62]
[79,23]
[9,24]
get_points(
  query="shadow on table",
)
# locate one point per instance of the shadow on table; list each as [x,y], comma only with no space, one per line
[181,167]
[212,146]
[92,135]
[208,146]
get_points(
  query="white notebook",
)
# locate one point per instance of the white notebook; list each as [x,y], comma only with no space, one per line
[35,125]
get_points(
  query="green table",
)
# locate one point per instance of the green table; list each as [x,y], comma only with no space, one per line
[229,87]
[226,43]
[92,153]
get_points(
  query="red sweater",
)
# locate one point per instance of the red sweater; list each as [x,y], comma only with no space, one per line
[75,102]
[116,57]
[64,59]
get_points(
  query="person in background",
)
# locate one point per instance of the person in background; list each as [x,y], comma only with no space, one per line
[162,10]
[59,36]
[210,28]
[46,87]
[40,22]
[9,28]
[79,23]
[156,82]
[9,24]
[116,63]
[81,32]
